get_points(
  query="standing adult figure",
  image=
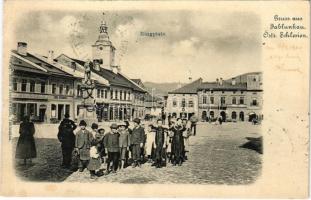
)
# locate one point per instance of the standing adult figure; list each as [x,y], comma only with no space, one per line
[178,142]
[26,147]
[159,143]
[67,138]
[194,121]
[137,142]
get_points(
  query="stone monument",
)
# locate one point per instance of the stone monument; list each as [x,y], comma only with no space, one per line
[88,110]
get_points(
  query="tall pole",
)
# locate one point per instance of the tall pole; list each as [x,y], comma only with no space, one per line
[152,96]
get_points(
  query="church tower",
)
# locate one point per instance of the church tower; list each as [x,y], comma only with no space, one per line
[103,51]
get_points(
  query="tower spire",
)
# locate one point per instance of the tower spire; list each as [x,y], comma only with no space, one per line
[103,32]
[103,51]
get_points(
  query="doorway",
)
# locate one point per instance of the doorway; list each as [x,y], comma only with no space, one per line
[42,110]
[60,111]
[223,115]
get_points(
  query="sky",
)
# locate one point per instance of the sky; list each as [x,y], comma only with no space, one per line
[199,44]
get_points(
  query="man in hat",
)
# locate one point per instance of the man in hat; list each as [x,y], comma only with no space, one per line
[159,143]
[67,138]
[83,142]
[111,143]
[137,141]
[194,121]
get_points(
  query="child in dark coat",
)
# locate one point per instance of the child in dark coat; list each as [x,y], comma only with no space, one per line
[111,142]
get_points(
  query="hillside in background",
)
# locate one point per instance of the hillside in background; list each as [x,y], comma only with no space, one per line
[161,89]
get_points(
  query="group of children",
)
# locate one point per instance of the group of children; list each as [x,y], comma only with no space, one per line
[121,144]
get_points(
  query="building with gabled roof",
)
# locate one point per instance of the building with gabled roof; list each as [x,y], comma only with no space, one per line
[235,99]
[183,102]
[39,88]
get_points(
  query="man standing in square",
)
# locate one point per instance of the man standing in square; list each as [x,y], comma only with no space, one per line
[137,141]
[159,142]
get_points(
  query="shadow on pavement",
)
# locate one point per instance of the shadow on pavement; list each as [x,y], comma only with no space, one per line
[253,144]
[46,167]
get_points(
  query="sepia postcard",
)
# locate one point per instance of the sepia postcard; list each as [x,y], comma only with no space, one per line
[155,99]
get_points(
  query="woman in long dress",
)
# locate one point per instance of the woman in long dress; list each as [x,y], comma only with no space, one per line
[26,147]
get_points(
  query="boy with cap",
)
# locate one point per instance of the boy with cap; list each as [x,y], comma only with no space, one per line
[137,141]
[83,142]
[111,143]
[94,129]
[124,142]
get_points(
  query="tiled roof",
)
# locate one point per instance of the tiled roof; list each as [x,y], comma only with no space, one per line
[190,88]
[225,86]
[48,67]
[116,79]
[67,69]
[19,64]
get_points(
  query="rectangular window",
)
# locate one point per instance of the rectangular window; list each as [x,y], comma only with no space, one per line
[183,102]
[24,85]
[98,93]
[222,100]
[241,100]
[67,90]
[212,100]
[53,88]
[61,89]
[106,94]
[102,94]
[79,92]
[53,110]
[42,87]
[111,94]
[124,95]
[129,96]
[254,102]
[233,100]
[204,100]
[14,84]
[174,103]
[32,86]
[121,95]
[116,94]
[190,104]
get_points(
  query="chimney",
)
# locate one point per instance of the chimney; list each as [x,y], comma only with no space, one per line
[22,48]
[217,80]
[220,81]
[114,69]
[190,79]
[51,56]
[233,81]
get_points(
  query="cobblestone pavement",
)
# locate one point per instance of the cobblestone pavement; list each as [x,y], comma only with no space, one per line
[214,158]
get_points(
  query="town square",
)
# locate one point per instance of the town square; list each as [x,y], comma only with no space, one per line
[85,117]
